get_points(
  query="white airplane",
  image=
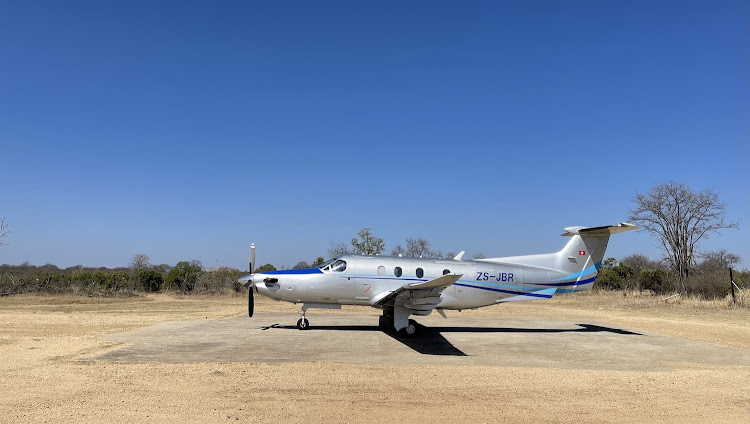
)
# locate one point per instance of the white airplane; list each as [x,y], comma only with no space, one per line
[402,287]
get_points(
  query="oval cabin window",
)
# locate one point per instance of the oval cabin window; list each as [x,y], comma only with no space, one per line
[397,271]
[381,270]
[420,273]
[446,271]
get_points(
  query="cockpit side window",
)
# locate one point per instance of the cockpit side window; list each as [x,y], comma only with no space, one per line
[338,266]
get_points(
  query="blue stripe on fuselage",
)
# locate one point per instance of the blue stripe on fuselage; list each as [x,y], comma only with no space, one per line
[589,270]
[545,296]
[295,271]
[570,283]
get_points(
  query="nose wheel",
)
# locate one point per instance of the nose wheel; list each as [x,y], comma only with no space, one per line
[303,324]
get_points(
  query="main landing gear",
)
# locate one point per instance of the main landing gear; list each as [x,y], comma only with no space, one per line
[386,322]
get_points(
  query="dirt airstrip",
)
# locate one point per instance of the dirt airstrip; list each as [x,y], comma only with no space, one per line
[167,358]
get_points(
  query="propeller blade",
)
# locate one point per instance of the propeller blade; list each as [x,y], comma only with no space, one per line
[250,302]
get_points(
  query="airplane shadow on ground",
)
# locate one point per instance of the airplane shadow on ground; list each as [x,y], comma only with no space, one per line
[430,340]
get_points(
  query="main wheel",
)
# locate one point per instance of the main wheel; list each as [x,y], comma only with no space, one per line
[303,324]
[410,329]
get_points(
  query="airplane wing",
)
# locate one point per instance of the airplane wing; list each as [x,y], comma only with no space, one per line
[423,296]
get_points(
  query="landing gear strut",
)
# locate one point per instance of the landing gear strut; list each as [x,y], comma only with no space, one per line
[303,323]
[397,318]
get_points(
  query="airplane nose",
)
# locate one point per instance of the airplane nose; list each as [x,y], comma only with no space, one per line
[246,280]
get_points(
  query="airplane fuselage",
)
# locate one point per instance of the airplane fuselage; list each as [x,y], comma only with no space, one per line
[402,287]
[363,277]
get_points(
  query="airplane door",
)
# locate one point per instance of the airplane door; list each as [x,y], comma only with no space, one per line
[363,282]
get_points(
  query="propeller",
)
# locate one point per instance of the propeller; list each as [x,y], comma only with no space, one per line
[251,286]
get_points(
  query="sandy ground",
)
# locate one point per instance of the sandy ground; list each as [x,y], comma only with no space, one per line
[42,341]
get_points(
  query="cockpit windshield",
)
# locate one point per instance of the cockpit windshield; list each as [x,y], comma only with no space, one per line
[325,265]
[335,265]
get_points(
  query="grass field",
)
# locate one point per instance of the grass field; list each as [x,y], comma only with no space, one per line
[43,337]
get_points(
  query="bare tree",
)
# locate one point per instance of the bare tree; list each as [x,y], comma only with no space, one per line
[367,244]
[720,259]
[139,261]
[679,218]
[398,250]
[478,255]
[3,232]
[338,249]
[417,247]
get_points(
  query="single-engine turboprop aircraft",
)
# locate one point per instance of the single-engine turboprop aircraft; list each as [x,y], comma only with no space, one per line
[402,287]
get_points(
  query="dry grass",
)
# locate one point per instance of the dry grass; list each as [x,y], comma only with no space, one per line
[42,337]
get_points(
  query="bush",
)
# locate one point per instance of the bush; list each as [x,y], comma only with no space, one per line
[656,280]
[148,280]
[219,280]
[709,285]
[184,276]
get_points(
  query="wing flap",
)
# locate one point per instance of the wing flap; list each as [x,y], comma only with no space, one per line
[420,296]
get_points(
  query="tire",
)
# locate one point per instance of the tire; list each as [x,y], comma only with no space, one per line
[303,324]
[385,323]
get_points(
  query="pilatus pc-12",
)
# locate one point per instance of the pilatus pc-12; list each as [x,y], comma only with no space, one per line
[402,287]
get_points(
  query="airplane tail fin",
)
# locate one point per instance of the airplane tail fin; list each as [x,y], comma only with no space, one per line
[574,267]
[580,259]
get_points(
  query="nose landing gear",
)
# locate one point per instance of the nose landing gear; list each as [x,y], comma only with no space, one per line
[303,324]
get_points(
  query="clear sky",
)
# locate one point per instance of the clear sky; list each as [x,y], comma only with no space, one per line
[186,130]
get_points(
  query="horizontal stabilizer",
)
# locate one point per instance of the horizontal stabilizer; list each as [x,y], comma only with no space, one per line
[599,231]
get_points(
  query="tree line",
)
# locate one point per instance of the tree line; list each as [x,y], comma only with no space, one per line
[677,216]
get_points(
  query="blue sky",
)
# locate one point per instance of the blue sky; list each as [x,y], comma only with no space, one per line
[187,130]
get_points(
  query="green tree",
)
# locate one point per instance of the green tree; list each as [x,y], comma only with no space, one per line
[149,280]
[265,268]
[615,275]
[301,265]
[183,276]
[319,261]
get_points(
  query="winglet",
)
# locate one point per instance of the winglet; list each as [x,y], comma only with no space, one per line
[459,256]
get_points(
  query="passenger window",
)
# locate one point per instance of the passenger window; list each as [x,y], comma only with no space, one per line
[420,273]
[397,271]
[446,271]
[338,266]
[381,270]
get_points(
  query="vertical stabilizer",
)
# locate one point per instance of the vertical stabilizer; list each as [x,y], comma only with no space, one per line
[574,267]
